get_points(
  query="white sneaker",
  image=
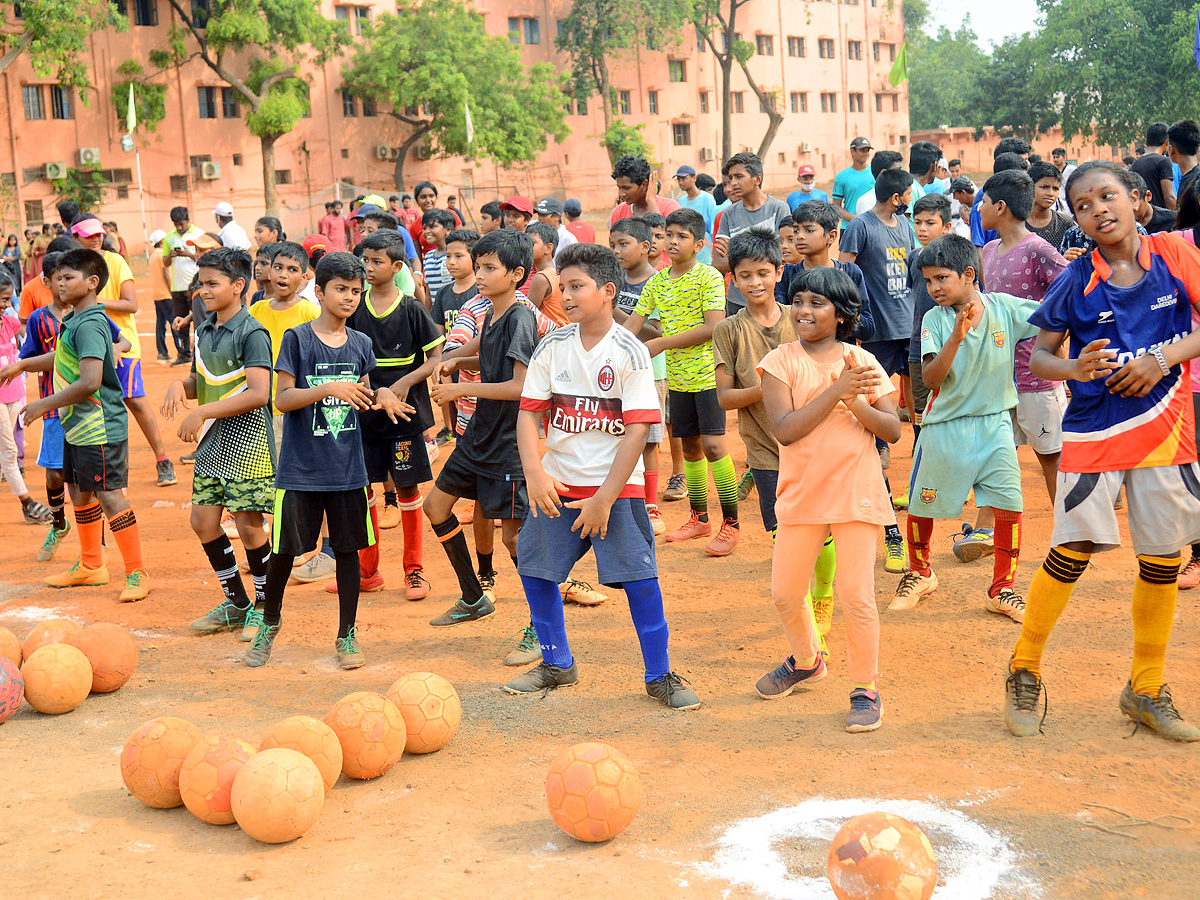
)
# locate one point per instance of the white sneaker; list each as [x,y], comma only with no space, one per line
[320,566]
[1007,603]
[912,587]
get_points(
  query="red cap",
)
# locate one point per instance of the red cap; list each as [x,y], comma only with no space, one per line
[805,170]
[520,204]
[316,242]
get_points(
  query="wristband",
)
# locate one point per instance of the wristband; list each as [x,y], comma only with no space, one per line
[1162,361]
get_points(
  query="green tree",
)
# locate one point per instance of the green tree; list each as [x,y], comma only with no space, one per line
[623,139]
[944,72]
[54,35]
[599,34]
[1016,92]
[149,99]
[84,185]
[432,62]
[257,47]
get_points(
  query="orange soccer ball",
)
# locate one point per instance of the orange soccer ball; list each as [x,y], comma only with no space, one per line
[152,758]
[593,792]
[277,795]
[314,739]
[880,856]
[112,652]
[57,677]
[206,777]
[431,710]
[371,731]
[49,631]
[10,647]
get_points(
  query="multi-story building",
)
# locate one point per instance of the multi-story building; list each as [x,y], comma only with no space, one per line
[827,61]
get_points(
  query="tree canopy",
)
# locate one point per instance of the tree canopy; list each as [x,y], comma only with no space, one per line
[54,34]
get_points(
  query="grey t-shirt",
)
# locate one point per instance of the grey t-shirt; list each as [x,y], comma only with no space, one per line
[736,219]
[882,254]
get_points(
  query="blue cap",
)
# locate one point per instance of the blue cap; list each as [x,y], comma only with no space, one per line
[685,170]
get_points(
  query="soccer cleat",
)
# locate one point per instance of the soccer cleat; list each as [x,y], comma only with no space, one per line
[543,677]
[183,359]
[727,538]
[866,711]
[462,611]
[912,587]
[900,501]
[487,581]
[1021,692]
[166,473]
[78,576]
[369,585]
[1190,576]
[53,538]
[444,437]
[260,648]
[676,488]
[672,692]
[782,680]
[389,516]
[349,655]
[971,544]
[581,592]
[137,586]
[37,513]
[1159,713]
[225,616]
[319,565]
[254,621]
[527,651]
[745,487]
[1007,603]
[896,560]
[416,587]
[691,529]
[432,449]
[822,608]
[656,520]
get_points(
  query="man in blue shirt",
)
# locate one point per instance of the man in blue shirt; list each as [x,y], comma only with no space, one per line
[807,176]
[702,202]
[854,180]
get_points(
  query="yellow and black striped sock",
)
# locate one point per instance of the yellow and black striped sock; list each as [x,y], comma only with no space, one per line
[1154,594]
[1049,592]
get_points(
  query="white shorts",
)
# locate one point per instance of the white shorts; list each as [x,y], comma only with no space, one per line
[1037,420]
[1164,508]
[658,430]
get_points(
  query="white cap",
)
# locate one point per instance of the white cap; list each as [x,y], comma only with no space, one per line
[157,235]
[223,209]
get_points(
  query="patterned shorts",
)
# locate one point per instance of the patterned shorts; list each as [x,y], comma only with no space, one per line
[246,495]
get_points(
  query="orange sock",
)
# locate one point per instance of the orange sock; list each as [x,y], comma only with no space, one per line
[125,532]
[89,523]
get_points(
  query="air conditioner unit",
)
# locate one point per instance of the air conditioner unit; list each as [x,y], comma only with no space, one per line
[806,147]
[55,170]
[383,151]
[706,154]
[424,152]
[89,156]
[210,171]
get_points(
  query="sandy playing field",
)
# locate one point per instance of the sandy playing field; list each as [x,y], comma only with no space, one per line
[740,796]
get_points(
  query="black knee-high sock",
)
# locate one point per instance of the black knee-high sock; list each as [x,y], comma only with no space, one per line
[485,562]
[279,570]
[454,542]
[258,558]
[56,500]
[225,564]
[348,587]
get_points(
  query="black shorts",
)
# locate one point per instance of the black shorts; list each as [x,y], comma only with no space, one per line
[298,517]
[181,303]
[892,355]
[405,459]
[695,413]
[497,497]
[96,467]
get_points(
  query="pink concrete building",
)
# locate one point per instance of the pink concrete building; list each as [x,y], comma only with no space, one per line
[976,151]
[827,61]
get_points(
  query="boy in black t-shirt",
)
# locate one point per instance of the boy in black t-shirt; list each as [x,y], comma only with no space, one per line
[450,300]
[321,473]
[485,465]
[407,347]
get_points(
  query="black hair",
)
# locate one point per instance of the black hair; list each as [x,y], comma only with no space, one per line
[600,263]
[267,250]
[1012,145]
[384,219]
[1156,134]
[390,241]
[1059,151]
[291,250]
[1139,150]
[404,197]
[819,212]
[705,182]
[1184,136]
[689,219]
[635,227]
[64,243]
[1034,158]
[754,246]
[177,213]
[272,223]
[328,204]
[395,197]
[467,236]
[922,155]
[835,286]
[934,202]
[492,209]
[549,235]
[442,217]
[513,249]
[1129,160]
[1139,184]
[884,159]
[340,264]
[89,262]
[954,162]
[785,222]
[1040,170]
[1015,189]
[1187,212]
[892,181]
[718,193]
[748,161]
[50,262]
[315,256]
[231,263]
[84,217]
[6,278]
[635,168]
[655,220]
[1121,174]
[69,209]
[1006,161]
[424,185]
[950,251]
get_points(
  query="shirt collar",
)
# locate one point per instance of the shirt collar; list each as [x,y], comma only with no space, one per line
[232,322]
[1104,271]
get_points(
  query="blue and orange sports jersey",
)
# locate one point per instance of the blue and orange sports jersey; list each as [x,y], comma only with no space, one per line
[1103,432]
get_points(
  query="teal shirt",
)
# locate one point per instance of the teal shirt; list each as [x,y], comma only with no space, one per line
[980,381]
[850,184]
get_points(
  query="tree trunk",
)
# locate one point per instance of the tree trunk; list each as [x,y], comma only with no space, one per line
[402,155]
[772,130]
[270,197]
[726,102]
[606,104]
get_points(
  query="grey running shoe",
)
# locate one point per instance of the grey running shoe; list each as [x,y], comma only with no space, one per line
[226,616]
[1021,692]
[543,677]
[254,620]
[462,611]
[348,653]
[1159,713]
[866,711]
[53,539]
[321,565]
[672,692]
[782,680]
[166,473]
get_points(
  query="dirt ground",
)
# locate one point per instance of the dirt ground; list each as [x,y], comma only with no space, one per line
[471,820]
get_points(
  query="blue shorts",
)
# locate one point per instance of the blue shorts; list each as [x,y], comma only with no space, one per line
[129,370]
[953,457]
[50,454]
[548,549]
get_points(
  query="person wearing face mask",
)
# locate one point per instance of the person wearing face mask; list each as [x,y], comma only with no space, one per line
[806,175]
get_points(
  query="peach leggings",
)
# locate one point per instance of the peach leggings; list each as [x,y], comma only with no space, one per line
[796,550]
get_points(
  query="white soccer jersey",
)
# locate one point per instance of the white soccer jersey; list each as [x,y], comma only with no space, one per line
[590,397]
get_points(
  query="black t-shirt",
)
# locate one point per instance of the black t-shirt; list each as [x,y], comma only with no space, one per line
[1187,178]
[447,304]
[400,338]
[1155,169]
[489,445]
[1053,232]
[1161,220]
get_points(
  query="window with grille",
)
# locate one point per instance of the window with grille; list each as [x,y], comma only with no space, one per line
[796,46]
[35,101]
[681,134]
[764,44]
[207,99]
[825,48]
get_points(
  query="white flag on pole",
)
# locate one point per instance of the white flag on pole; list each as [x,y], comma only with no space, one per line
[470,125]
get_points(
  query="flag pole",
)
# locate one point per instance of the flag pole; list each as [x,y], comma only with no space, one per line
[131,125]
